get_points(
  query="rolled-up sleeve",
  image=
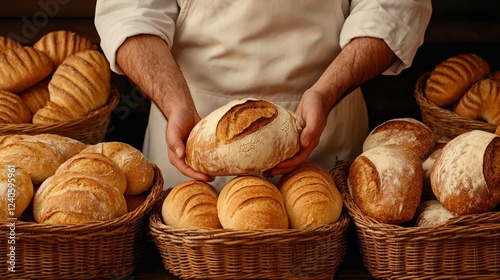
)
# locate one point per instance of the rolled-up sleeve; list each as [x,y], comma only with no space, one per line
[115,21]
[400,23]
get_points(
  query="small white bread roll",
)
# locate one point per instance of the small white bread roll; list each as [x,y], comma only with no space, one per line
[431,213]
[311,198]
[249,203]
[192,204]
[16,191]
[386,183]
[466,178]
[243,137]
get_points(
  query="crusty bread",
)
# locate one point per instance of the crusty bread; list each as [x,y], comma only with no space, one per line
[431,213]
[497,132]
[81,83]
[21,68]
[137,168]
[465,178]
[12,109]
[450,79]
[386,183]
[243,137]
[192,204]
[481,102]
[35,97]
[427,164]
[406,132]
[249,202]
[311,198]
[60,44]
[16,191]
[67,146]
[7,43]
[52,113]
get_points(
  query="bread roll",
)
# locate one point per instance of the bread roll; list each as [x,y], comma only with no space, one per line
[450,79]
[431,213]
[52,113]
[21,68]
[7,43]
[427,193]
[12,109]
[249,203]
[67,146]
[192,204]
[481,102]
[60,44]
[497,132]
[386,183]
[81,83]
[16,191]
[311,198]
[466,176]
[137,168]
[405,132]
[243,137]
[36,97]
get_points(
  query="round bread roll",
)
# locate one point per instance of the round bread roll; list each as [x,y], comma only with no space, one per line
[16,191]
[7,43]
[404,132]
[450,79]
[386,183]
[481,102]
[249,203]
[192,204]
[137,168]
[466,176]
[36,97]
[431,213]
[243,137]
[12,109]
[427,193]
[311,198]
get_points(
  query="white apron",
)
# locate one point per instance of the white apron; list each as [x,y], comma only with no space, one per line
[273,50]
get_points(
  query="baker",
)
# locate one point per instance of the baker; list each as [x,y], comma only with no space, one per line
[191,57]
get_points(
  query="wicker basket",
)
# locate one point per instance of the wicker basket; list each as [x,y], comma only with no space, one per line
[90,129]
[100,250]
[445,123]
[258,254]
[466,247]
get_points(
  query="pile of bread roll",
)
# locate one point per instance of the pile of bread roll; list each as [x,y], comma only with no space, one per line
[61,77]
[465,85]
[305,198]
[68,182]
[404,177]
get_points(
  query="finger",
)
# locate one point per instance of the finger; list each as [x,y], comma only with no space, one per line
[181,165]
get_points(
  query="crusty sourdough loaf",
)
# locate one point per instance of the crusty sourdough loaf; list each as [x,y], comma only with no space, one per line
[60,44]
[406,132]
[16,191]
[21,68]
[481,102]
[431,213]
[12,109]
[311,198]
[249,202]
[427,193]
[450,79]
[466,176]
[243,137]
[192,204]
[35,97]
[386,183]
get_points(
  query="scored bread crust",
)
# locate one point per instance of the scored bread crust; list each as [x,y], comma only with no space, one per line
[481,102]
[7,43]
[12,109]
[36,96]
[243,137]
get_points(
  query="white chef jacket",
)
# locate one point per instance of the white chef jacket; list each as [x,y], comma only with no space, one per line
[182,24]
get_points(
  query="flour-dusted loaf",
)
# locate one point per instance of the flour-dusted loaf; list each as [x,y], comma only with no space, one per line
[16,191]
[311,197]
[12,109]
[191,204]
[427,193]
[405,132]
[243,137]
[386,183]
[249,202]
[481,102]
[431,213]
[466,176]
[450,79]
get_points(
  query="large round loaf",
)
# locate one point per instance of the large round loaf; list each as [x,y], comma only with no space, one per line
[16,191]
[243,137]
[386,183]
[249,202]
[466,176]
[192,204]
[481,102]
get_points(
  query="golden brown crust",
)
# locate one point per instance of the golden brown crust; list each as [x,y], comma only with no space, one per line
[497,132]
[19,196]
[13,109]
[52,113]
[21,68]
[35,97]
[481,102]
[7,43]
[450,79]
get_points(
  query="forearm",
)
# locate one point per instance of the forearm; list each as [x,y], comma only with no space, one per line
[149,64]
[359,61]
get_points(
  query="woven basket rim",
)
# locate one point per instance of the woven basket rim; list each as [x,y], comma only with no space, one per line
[143,209]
